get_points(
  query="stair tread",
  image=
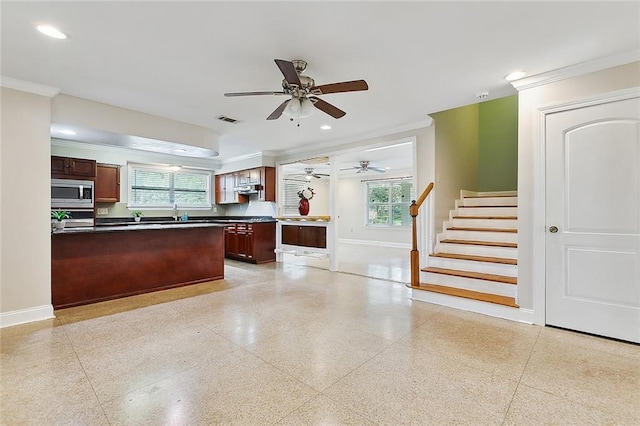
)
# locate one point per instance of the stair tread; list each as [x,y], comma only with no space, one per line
[459,228]
[476,258]
[487,217]
[490,195]
[476,275]
[484,207]
[481,243]
[468,294]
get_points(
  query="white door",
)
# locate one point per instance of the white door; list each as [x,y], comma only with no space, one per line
[593,199]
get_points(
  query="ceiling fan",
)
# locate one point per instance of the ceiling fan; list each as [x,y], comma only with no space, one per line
[364,167]
[303,92]
[308,174]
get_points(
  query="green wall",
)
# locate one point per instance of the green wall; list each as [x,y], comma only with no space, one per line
[498,136]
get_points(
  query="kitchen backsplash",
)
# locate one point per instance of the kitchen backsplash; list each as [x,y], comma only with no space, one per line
[121,210]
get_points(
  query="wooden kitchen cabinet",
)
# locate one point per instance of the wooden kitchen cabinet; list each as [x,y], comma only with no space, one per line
[251,242]
[306,236]
[264,177]
[225,193]
[70,168]
[107,186]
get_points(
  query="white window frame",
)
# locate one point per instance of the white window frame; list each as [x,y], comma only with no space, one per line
[389,182]
[170,205]
[291,209]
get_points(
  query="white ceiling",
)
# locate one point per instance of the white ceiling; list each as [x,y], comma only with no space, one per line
[177,59]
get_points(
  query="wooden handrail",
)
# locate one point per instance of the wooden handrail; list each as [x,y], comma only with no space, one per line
[415,255]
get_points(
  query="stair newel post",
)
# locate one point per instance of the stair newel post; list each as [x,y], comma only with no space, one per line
[415,255]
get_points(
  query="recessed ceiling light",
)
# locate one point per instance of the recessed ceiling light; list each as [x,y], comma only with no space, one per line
[51,31]
[516,75]
[175,168]
[67,132]
[325,127]
[179,150]
[387,168]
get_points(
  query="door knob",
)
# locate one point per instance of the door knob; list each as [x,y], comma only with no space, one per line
[553,229]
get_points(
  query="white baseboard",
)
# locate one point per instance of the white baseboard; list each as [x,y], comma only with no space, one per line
[22,316]
[375,243]
[491,309]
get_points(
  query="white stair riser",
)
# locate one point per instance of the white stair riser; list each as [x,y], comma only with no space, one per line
[491,194]
[503,237]
[483,223]
[473,250]
[483,286]
[474,266]
[486,211]
[491,201]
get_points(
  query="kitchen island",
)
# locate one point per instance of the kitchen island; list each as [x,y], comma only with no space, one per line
[94,264]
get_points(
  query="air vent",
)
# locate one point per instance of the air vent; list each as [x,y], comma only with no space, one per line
[227,119]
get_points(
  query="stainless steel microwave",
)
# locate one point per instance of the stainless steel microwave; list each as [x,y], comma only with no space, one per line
[71,193]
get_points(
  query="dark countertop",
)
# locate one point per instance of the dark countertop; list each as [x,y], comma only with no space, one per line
[195,219]
[135,226]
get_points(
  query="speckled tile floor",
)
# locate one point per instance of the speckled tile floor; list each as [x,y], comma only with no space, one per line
[291,345]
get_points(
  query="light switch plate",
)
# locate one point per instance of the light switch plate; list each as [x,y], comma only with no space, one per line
[103,210]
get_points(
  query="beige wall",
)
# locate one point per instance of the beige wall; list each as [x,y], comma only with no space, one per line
[25,225]
[530,100]
[456,164]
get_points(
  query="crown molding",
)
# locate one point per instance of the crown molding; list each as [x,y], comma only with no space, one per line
[27,86]
[242,157]
[576,70]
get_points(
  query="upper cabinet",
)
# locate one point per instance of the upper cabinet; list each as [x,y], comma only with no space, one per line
[107,186]
[69,168]
[264,179]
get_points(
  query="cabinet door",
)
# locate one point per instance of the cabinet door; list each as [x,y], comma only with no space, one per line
[58,165]
[107,186]
[229,184]
[219,189]
[255,175]
[290,234]
[268,182]
[82,167]
[230,241]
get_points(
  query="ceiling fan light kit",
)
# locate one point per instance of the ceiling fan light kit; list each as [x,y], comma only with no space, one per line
[300,88]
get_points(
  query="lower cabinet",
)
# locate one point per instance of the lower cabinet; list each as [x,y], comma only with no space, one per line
[306,236]
[251,242]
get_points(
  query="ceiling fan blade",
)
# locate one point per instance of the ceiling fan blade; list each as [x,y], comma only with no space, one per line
[278,111]
[253,93]
[376,169]
[333,111]
[289,71]
[350,168]
[345,86]
[316,176]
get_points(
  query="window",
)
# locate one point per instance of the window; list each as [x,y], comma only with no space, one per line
[157,187]
[291,198]
[388,202]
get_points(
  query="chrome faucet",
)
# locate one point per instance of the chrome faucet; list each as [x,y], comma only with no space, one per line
[175,212]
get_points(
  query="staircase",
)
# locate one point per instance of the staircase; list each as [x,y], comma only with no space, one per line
[476,255]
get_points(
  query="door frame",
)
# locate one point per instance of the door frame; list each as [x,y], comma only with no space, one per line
[539,188]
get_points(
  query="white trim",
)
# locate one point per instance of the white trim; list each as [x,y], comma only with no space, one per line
[27,86]
[23,316]
[577,70]
[491,309]
[539,187]
[375,243]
